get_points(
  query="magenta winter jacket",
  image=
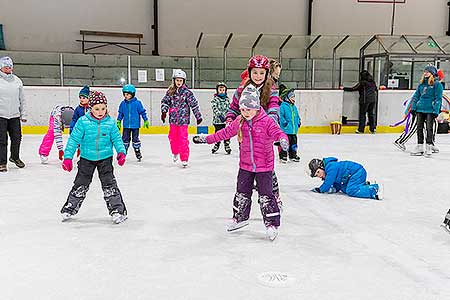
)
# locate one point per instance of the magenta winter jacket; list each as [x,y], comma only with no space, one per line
[258,135]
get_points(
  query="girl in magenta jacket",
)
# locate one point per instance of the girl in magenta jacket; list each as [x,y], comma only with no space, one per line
[256,134]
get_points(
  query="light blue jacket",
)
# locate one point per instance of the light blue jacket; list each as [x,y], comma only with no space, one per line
[289,118]
[95,137]
[428,99]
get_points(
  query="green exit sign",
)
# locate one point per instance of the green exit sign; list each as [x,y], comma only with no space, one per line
[432,44]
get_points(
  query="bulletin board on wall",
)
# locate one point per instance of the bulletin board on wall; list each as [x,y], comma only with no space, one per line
[2,41]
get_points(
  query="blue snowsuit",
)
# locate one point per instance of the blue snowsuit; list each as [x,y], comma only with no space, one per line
[348,177]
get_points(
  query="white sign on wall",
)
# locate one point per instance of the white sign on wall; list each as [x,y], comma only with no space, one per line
[142,76]
[392,83]
[159,74]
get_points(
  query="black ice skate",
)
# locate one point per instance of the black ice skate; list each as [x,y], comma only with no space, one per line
[227,147]
[295,158]
[215,148]
[3,168]
[17,162]
[138,154]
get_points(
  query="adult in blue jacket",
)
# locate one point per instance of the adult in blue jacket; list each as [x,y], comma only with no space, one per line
[130,111]
[346,176]
[426,105]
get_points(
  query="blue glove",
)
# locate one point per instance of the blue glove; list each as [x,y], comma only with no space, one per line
[284,144]
[199,139]
[332,190]
[221,118]
[316,190]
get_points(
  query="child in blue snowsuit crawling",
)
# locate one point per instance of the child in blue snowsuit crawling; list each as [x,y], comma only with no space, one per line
[130,111]
[346,176]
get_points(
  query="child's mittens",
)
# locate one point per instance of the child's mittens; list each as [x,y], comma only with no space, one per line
[61,155]
[199,139]
[199,120]
[316,190]
[163,117]
[67,165]
[121,158]
[119,124]
[146,124]
[284,144]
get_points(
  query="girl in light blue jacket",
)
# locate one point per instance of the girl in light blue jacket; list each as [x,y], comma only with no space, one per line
[96,133]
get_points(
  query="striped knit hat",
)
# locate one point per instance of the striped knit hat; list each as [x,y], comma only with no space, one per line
[96,97]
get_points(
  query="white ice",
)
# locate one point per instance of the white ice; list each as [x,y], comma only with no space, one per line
[174,244]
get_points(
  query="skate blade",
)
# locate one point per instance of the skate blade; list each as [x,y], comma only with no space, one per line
[237,227]
[445,228]
[416,154]
[120,220]
[272,238]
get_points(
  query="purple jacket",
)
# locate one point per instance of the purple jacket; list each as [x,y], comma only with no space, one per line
[179,106]
[258,135]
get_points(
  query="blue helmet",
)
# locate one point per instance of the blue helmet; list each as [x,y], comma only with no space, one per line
[129,88]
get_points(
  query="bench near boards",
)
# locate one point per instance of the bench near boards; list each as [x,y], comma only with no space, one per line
[85,33]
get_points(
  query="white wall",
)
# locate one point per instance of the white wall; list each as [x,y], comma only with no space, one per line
[316,108]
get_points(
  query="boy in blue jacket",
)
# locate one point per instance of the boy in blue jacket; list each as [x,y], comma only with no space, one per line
[289,123]
[81,109]
[346,176]
[130,111]
[96,133]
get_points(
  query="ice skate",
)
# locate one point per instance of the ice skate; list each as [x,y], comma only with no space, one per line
[434,149]
[175,158]
[215,148]
[118,218]
[66,216]
[17,162]
[446,227]
[380,192]
[227,147]
[418,150]
[295,159]
[400,146]
[283,160]
[138,154]
[235,225]
[271,232]
[184,164]
[428,150]
[280,205]
[3,168]
[44,159]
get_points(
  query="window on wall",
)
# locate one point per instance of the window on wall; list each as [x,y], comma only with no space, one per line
[2,41]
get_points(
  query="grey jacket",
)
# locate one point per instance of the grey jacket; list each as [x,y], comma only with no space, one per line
[12,100]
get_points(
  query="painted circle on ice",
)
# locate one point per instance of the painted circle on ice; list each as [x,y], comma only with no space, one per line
[276,279]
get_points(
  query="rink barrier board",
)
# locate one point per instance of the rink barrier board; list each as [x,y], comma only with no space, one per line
[202,129]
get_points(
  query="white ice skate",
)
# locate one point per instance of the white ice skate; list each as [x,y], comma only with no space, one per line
[380,192]
[428,150]
[400,146]
[235,225]
[184,164]
[418,150]
[175,158]
[118,218]
[434,149]
[44,159]
[66,216]
[272,232]
[446,227]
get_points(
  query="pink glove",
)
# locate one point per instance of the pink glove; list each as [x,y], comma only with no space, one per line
[121,158]
[67,165]
[61,154]
[228,122]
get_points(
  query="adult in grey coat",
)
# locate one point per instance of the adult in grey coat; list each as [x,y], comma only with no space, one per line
[12,112]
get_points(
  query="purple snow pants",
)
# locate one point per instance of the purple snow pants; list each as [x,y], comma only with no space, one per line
[242,202]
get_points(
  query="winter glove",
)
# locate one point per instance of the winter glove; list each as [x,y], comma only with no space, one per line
[284,144]
[119,124]
[61,155]
[121,158]
[146,124]
[199,139]
[67,165]
[221,119]
[332,190]
[78,152]
[199,121]
[163,117]
[228,122]
[316,190]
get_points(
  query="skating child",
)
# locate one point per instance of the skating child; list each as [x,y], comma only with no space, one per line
[258,67]
[60,118]
[81,109]
[219,105]
[97,134]
[256,134]
[426,104]
[346,176]
[178,102]
[289,123]
[130,111]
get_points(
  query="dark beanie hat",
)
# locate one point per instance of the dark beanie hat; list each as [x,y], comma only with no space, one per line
[84,91]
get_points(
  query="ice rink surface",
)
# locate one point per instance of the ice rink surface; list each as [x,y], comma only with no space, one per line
[174,244]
